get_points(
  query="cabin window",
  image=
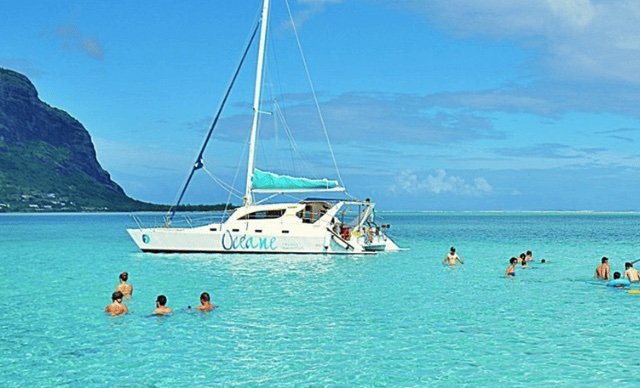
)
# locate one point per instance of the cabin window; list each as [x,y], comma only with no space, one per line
[285,232]
[235,230]
[213,229]
[258,230]
[264,215]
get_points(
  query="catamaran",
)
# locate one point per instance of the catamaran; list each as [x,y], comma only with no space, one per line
[312,225]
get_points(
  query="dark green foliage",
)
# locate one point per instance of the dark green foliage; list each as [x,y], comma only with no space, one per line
[47,159]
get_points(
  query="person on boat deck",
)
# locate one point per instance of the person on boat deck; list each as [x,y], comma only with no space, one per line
[529,256]
[124,287]
[369,235]
[345,233]
[511,269]
[616,276]
[451,258]
[116,307]
[603,271]
[631,273]
[161,306]
[205,303]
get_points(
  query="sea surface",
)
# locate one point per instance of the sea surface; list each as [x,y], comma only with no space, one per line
[393,319]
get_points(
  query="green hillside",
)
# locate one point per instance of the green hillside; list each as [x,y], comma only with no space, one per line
[48,161]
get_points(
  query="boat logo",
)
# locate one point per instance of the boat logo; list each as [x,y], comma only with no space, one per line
[231,242]
[145,238]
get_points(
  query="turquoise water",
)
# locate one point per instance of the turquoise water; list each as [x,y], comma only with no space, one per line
[397,319]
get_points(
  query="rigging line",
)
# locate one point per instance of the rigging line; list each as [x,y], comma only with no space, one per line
[198,163]
[292,140]
[222,184]
[235,176]
[313,92]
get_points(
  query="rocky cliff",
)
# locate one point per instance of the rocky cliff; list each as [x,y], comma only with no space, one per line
[47,159]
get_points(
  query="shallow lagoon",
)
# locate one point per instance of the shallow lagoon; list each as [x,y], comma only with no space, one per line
[394,319]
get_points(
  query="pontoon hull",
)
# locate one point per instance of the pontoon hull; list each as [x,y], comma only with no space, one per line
[203,240]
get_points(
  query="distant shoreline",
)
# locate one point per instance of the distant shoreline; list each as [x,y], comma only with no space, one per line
[387,212]
[147,208]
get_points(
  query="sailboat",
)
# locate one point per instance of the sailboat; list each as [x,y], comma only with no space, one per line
[309,226]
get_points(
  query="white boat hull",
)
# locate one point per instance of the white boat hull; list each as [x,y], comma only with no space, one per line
[306,227]
[203,240]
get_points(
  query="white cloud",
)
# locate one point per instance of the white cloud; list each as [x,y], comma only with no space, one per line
[578,39]
[440,183]
[72,38]
[308,9]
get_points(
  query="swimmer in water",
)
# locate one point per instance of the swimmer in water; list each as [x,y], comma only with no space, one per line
[161,306]
[116,307]
[616,276]
[522,258]
[523,264]
[631,273]
[124,287]
[511,269]
[529,256]
[451,258]
[205,303]
[603,271]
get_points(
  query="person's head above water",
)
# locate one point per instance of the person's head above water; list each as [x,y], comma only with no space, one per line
[604,259]
[513,260]
[124,276]
[117,295]
[616,275]
[161,300]
[529,253]
[628,265]
[452,250]
[522,255]
[204,297]
[543,261]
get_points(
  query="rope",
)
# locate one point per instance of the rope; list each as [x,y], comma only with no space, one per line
[230,189]
[313,92]
[198,163]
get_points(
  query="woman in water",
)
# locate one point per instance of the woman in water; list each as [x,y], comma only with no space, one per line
[511,269]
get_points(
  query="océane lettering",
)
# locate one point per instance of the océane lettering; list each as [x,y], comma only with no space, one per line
[244,242]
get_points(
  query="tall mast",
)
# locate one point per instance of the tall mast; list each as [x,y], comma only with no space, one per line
[248,197]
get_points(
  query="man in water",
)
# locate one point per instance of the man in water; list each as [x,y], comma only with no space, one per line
[603,271]
[451,258]
[124,287]
[161,306]
[522,259]
[529,256]
[631,273]
[205,303]
[116,307]
[511,269]
[613,283]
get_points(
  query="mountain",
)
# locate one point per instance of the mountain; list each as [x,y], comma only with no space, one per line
[47,159]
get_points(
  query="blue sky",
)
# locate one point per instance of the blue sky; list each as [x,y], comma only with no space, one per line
[438,105]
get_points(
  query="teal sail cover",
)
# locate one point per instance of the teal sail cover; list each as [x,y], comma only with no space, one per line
[263,180]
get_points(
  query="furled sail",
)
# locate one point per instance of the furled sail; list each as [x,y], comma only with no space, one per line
[263,181]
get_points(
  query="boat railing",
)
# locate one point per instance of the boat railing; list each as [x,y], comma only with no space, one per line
[179,221]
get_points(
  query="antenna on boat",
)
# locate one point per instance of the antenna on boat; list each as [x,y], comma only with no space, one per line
[198,163]
[248,197]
